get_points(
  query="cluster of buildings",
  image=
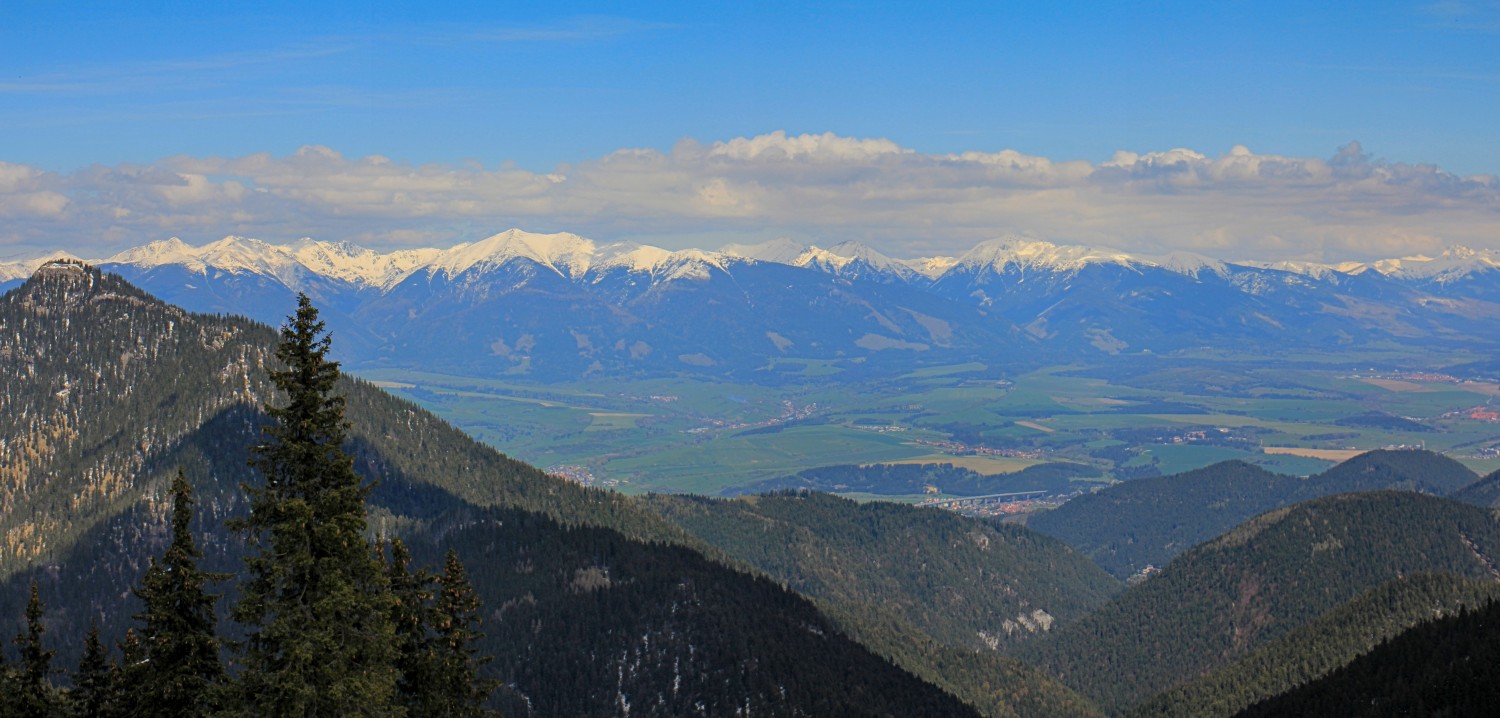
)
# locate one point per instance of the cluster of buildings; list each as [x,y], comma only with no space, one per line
[579,474]
[958,448]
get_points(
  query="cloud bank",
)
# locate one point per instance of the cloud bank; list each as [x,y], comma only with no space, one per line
[825,188]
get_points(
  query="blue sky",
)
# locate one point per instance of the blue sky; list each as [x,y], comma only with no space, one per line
[557,88]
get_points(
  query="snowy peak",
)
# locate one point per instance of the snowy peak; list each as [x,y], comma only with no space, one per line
[1029,254]
[358,265]
[166,251]
[931,267]
[1453,264]
[289,263]
[1311,270]
[661,264]
[852,259]
[567,254]
[780,251]
[631,257]
[846,259]
[1190,264]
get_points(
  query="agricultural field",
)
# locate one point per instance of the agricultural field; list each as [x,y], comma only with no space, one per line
[689,435]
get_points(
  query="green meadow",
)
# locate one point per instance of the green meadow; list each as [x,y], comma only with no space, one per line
[687,434]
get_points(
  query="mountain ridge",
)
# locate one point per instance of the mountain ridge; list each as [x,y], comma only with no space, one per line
[561,307]
[573,254]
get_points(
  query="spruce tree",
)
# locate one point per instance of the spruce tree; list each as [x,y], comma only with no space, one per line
[9,683]
[181,671]
[316,605]
[93,685]
[411,616]
[33,694]
[128,674]
[460,690]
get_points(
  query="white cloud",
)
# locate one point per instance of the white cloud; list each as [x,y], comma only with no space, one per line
[826,147]
[822,188]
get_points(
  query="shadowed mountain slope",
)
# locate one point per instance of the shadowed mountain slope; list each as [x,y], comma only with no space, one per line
[1258,582]
[1333,640]
[1447,667]
[926,587]
[1133,524]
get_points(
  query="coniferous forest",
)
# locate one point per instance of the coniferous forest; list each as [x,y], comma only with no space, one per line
[319,604]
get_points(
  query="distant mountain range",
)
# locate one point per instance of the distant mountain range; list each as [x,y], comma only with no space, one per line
[551,306]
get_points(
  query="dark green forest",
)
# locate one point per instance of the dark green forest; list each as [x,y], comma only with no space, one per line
[926,588]
[1145,522]
[1266,578]
[1484,492]
[1329,642]
[1446,667]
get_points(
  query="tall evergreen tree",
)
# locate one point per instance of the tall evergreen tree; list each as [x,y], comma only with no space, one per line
[182,671]
[316,605]
[411,616]
[93,687]
[33,693]
[9,682]
[460,689]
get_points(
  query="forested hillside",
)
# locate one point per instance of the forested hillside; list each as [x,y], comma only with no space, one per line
[926,587]
[1267,577]
[1144,522]
[1484,492]
[1333,640]
[1447,667]
[113,391]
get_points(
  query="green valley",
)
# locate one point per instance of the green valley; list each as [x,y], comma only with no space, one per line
[1139,417]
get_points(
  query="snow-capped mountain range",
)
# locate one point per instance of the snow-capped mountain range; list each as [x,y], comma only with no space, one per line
[574,256]
[563,305]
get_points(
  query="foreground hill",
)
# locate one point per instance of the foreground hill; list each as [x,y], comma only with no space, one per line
[1333,640]
[926,587]
[1258,582]
[593,603]
[1145,522]
[1447,667]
